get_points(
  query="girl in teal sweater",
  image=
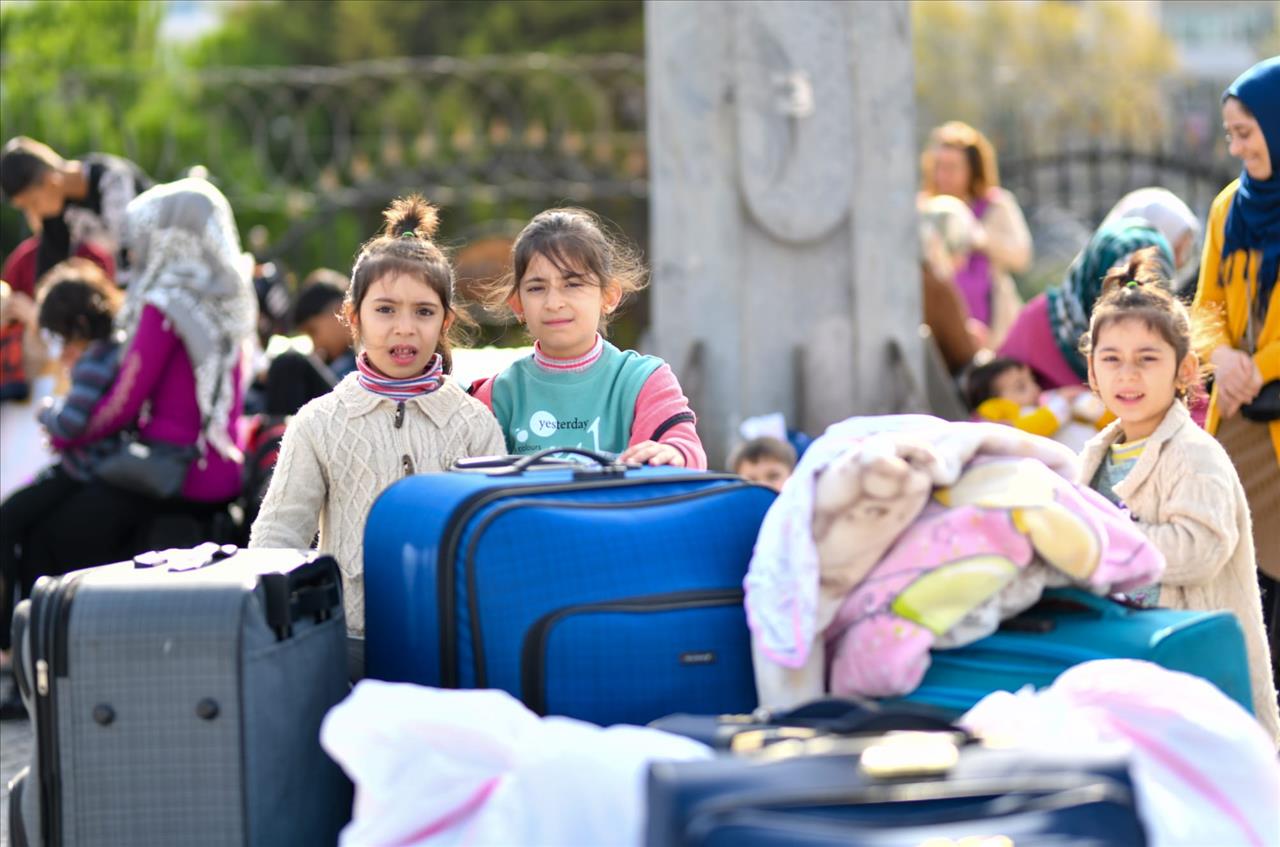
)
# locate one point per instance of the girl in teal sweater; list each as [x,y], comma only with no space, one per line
[578,390]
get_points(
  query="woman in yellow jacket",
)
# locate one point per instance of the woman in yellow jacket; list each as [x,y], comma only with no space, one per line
[1238,302]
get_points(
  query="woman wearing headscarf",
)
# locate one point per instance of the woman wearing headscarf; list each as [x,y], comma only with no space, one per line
[1164,210]
[1238,300]
[961,162]
[1046,334]
[188,318]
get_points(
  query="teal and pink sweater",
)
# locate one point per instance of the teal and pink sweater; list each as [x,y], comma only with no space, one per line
[606,401]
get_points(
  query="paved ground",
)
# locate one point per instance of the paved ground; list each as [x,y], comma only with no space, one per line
[16,744]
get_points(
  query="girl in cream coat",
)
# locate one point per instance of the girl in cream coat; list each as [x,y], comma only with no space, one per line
[1176,481]
[400,413]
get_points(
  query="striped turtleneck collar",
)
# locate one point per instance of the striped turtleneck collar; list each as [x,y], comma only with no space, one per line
[578,364]
[371,379]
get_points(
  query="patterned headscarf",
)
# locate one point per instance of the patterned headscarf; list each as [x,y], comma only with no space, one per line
[188,264]
[1071,303]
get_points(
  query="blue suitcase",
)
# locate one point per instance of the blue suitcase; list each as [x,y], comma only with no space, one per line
[602,592]
[1070,626]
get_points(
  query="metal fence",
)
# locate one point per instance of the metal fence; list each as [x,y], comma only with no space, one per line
[493,127]
[503,134]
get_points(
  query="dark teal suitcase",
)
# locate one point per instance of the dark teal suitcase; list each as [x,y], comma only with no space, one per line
[1069,627]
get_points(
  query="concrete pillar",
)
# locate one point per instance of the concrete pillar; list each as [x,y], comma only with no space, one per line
[783,235]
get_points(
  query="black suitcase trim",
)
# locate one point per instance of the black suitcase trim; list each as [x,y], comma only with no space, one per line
[50,617]
[1038,794]
[533,652]
[457,524]
[473,603]
[17,826]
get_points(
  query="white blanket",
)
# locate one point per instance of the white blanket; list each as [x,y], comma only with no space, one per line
[444,767]
[1203,769]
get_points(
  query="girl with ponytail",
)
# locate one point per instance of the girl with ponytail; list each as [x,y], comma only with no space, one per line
[399,413]
[1175,479]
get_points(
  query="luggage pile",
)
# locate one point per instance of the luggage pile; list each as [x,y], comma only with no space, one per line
[178,698]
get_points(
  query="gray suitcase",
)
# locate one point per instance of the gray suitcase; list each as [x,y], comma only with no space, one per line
[177,700]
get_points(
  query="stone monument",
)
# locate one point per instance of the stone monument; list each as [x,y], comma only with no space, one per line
[784,249]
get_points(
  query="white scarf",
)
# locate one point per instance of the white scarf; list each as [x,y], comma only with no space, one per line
[188,264]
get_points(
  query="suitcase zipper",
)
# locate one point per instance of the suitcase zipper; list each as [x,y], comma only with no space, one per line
[477,637]
[50,617]
[533,653]
[61,663]
[457,523]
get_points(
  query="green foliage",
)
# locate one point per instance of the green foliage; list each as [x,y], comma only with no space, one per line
[307,32]
[1038,74]
[96,76]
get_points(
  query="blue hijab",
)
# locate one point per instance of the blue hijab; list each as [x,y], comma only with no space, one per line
[1253,221]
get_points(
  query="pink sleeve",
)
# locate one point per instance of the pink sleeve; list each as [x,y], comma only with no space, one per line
[143,361]
[663,410]
[482,390]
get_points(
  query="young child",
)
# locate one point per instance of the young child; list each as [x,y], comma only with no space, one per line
[1005,391]
[578,390]
[1175,479]
[766,460]
[293,378]
[317,313]
[399,413]
[77,304]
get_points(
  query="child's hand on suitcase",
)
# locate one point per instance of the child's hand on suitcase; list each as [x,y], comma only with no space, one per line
[653,453]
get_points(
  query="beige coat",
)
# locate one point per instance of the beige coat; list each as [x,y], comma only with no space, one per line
[1185,495]
[339,453]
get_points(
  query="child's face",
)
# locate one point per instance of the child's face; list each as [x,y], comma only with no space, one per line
[1017,384]
[1135,372]
[768,472]
[400,323]
[562,311]
[330,338]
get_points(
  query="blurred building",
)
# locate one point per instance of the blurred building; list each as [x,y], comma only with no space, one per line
[1217,39]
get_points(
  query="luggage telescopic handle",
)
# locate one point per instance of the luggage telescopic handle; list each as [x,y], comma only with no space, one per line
[606,466]
[606,462]
[312,590]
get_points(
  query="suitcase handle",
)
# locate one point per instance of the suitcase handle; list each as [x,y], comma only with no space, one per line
[851,716]
[1078,600]
[311,590]
[1070,601]
[606,465]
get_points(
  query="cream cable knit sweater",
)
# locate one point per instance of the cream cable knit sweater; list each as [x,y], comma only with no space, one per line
[1186,498]
[339,453]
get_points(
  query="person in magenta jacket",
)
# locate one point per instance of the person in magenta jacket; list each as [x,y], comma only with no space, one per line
[187,319]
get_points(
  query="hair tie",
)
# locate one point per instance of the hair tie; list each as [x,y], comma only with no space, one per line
[409,233]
